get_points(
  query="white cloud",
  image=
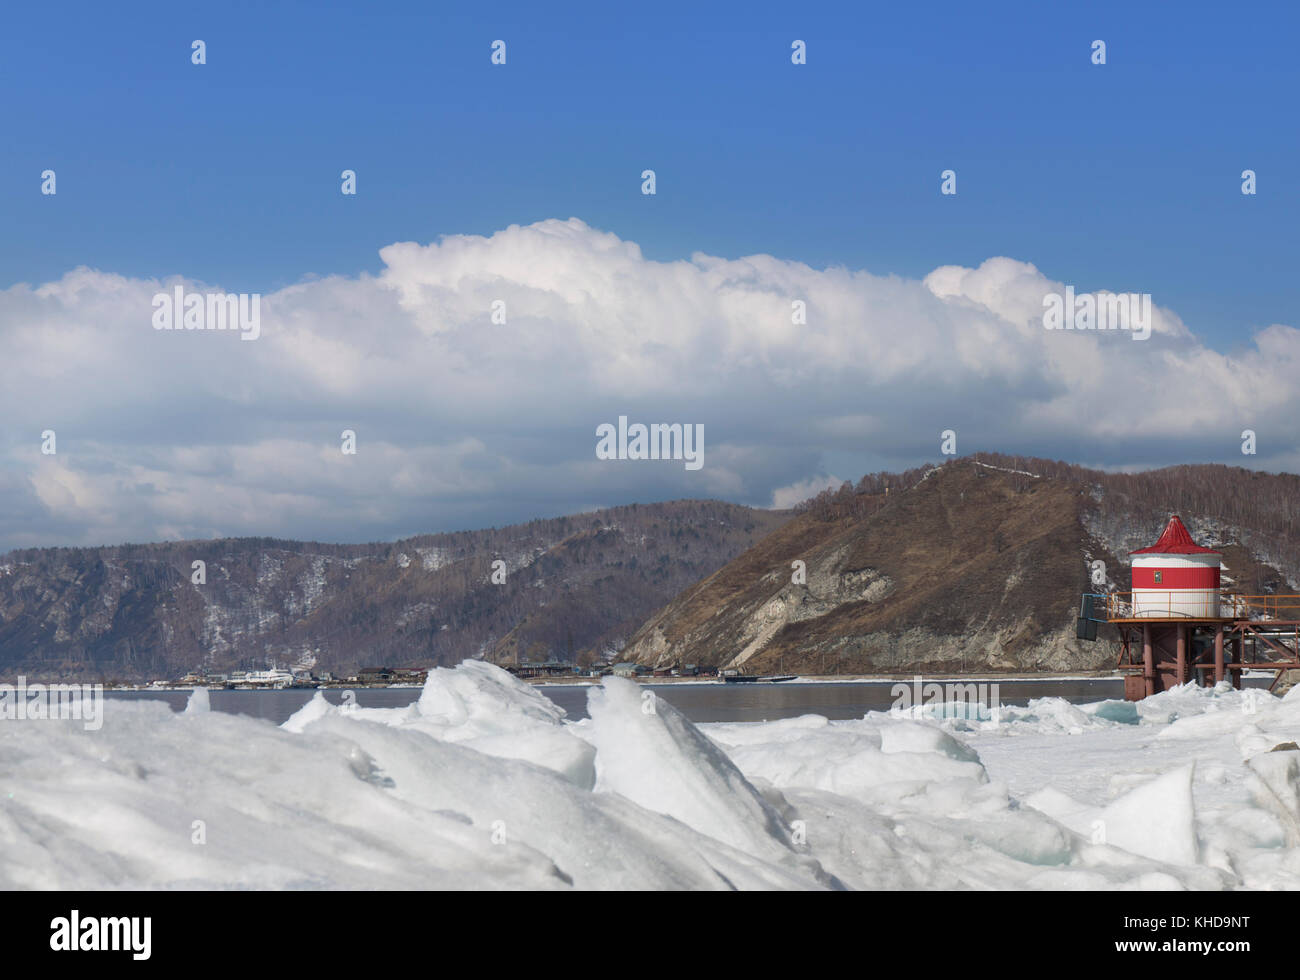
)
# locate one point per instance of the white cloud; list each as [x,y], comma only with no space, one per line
[462,422]
[783,497]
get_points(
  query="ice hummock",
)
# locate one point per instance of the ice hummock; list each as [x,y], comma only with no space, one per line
[483,783]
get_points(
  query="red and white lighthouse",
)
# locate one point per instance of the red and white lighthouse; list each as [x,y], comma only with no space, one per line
[1176,578]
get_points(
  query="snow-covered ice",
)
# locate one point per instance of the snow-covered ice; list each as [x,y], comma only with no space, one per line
[483,783]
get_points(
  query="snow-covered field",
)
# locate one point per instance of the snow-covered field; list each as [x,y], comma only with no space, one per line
[482,783]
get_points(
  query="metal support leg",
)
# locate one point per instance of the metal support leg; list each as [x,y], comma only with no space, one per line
[1148,660]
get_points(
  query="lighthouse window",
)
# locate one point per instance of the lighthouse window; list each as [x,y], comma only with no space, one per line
[1157,576]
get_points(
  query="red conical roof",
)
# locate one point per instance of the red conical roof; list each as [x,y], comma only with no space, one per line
[1175,541]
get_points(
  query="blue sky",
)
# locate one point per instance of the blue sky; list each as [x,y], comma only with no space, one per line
[226,176]
[1119,176]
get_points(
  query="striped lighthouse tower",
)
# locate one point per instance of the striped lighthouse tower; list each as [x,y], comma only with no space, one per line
[1176,578]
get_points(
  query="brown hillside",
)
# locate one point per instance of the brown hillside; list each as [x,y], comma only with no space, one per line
[968,567]
[977,565]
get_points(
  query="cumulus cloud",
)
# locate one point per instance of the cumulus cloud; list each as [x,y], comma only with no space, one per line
[463,422]
[783,497]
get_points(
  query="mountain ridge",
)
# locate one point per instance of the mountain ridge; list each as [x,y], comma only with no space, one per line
[572,584]
[975,564]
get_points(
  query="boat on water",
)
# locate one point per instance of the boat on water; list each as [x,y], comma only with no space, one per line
[756,679]
[274,678]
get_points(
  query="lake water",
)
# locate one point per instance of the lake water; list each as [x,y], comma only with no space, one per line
[699,702]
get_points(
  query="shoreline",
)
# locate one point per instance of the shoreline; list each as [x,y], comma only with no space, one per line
[799,680]
[848,679]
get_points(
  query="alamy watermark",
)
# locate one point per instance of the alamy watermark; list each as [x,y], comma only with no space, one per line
[179,310]
[1101,311]
[971,700]
[656,441]
[77,933]
[53,702]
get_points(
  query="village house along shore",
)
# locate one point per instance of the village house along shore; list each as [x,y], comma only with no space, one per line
[557,673]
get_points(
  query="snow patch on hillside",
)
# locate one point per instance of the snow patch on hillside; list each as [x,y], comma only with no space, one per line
[1003,469]
[1121,535]
[432,559]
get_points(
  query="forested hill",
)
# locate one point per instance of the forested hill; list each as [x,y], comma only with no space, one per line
[573,586]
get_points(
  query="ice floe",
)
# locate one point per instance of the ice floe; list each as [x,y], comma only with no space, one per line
[484,783]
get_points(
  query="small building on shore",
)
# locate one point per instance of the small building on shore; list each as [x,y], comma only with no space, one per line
[549,668]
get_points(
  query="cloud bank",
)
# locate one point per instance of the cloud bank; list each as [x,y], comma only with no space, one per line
[465,422]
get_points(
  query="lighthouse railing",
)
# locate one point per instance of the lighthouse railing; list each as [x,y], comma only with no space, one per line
[1279,607]
[1172,605]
